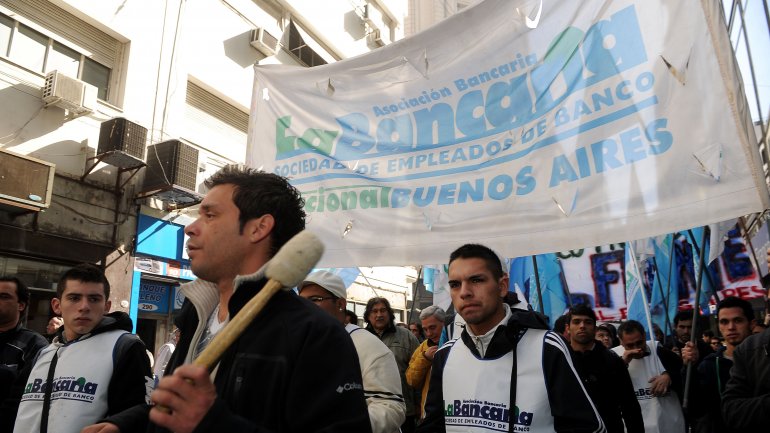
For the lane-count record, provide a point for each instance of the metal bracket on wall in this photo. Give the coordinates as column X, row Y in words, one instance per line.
column 101, row 157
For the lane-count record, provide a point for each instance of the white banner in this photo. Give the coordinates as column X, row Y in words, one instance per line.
column 527, row 126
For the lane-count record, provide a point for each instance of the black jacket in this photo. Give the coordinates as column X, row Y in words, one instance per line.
column 18, row 347
column 570, row 406
column 605, row 377
column 746, row 400
column 294, row 370
column 713, row 374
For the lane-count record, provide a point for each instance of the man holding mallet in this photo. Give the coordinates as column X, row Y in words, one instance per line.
column 294, row 369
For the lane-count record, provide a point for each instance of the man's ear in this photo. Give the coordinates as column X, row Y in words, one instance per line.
column 260, row 228
column 504, row 284
column 341, row 304
column 107, row 306
column 56, row 306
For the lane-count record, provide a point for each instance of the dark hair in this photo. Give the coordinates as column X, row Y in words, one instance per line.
column 22, row 291
column 709, row 333
column 418, row 325
column 733, row 302
column 629, row 327
column 377, row 300
column 353, row 317
column 560, row 325
column 682, row 315
column 476, row 251
column 257, row 193
column 610, row 329
column 85, row 273
column 581, row 310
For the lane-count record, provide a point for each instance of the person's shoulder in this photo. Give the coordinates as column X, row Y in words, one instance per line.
column 753, row 343
column 30, row 337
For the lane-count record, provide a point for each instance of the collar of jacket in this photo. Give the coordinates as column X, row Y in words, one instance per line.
column 390, row 328
column 110, row 322
column 204, row 295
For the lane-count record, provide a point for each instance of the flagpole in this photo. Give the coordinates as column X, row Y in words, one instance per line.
column 537, row 282
column 641, row 287
column 695, row 314
column 745, row 233
column 668, row 283
column 703, row 251
column 662, row 296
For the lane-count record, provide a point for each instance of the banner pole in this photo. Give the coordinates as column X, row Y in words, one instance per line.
column 703, row 251
column 630, row 244
column 695, row 314
column 745, row 234
column 537, row 282
column 668, row 283
column 662, row 295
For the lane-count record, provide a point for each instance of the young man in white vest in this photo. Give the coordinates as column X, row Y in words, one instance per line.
column 506, row 372
column 93, row 368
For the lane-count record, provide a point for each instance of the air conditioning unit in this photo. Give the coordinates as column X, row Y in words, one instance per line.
column 263, row 41
column 25, row 182
column 172, row 173
column 122, row 143
column 374, row 38
column 71, row 94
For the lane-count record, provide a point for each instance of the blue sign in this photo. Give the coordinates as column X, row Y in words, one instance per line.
column 160, row 238
column 153, row 297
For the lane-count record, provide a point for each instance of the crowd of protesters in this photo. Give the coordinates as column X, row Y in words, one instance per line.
column 488, row 363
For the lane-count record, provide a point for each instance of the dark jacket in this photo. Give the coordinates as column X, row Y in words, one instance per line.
column 713, row 374
column 294, row 370
column 402, row 343
column 18, row 346
column 570, row 406
column 128, row 385
column 746, row 400
column 605, row 377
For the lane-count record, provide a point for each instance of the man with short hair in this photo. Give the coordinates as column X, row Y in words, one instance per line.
column 382, row 384
column 93, row 368
column 746, row 400
column 18, row 345
column 506, row 368
column 560, row 326
column 293, row 369
column 418, row 372
column 416, row 329
column 380, row 319
column 735, row 318
column 603, row 373
column 656, row 376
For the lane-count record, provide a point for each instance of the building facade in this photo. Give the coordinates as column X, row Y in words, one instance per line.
column 100, row 159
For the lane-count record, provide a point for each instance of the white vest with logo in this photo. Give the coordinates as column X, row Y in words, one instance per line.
column 661, row 414
column 80, row 384
column 477, row 391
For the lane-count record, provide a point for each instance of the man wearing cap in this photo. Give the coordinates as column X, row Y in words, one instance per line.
column 382, row 384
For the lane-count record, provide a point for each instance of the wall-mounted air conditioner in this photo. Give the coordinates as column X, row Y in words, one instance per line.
column 172, row 173
column 263, row 41
column 25, row 182
column 122, row 143
column 71, row 94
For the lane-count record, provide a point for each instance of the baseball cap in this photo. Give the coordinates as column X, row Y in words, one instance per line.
column 332, row 283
